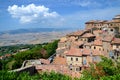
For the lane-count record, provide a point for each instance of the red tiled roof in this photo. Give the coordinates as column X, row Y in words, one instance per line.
column 86, row 51
column 1, row 57
column 98, row 38
column 8, row 55
column 78, row 42
column 116, row 41
column 59, row 60
column 80, row 52
column 77, row 33
column 45, row 61
column 74, row 52
column 87, row 35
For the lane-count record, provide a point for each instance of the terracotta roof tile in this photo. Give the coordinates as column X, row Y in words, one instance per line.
column 80, row 52
column 78, row 42
column 77, row 33
column 87, row 35
column 86, row 51
column 45, row 61
column 59, row 60
column 98, row 38
column 116, row 41
column 74, row 52
column 8, row 55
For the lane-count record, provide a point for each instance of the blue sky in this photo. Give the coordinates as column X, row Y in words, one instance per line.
column 17, row 14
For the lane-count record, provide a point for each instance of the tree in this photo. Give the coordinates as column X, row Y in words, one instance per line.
column 104, row 70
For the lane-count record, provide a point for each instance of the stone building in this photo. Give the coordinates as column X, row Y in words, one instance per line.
column 87, row 37
column 83, row 47
column 100, row 24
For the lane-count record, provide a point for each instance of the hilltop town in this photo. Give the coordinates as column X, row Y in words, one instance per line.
column 78, row 49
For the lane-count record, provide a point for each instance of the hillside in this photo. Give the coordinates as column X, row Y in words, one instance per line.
column 31, row 36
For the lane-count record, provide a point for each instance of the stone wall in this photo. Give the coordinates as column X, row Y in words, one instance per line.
column 30, row 69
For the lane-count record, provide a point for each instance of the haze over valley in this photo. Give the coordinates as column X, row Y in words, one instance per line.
column 31, row 36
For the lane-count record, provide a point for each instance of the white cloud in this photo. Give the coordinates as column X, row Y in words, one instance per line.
column 31, row 13
column 86, row 3
column 83, row 3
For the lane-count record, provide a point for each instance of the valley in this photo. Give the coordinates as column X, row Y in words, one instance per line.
column 30, row 37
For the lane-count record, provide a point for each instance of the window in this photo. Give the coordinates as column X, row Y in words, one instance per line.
column 99, row 49
column 90, row 47
column 76, row 59
column 112, row 57
column 85, row 46
column 71, row 59
column 117, row 46
column 81, row 46
column 111, row 30
column 78, row 69
column 70, row 66
column 84, row 62
column 94, row 47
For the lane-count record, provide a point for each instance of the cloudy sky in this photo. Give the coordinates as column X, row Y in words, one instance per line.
column 17, row 14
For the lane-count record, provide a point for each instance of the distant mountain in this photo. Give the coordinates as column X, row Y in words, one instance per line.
column 34, row 30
